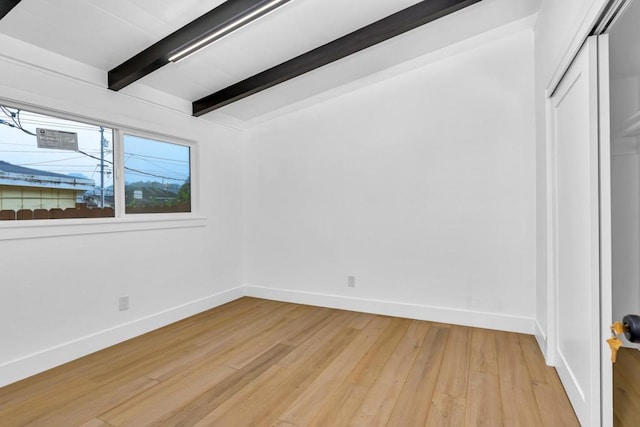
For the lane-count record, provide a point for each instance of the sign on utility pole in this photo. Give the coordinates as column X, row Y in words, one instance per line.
column 57, row 139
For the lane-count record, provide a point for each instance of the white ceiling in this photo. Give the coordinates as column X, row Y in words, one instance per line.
column 103, row 34
column 100, row 33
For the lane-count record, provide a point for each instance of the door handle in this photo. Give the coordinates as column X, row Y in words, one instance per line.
column 631, row 325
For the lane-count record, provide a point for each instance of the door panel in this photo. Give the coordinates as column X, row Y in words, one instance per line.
column 577, row 340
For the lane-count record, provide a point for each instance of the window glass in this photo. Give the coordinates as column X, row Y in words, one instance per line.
column 157, row 176
column 53, row 168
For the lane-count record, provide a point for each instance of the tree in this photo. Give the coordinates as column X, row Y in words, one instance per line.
column 184, row 194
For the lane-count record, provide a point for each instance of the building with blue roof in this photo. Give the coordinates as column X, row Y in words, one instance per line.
column 27, row 188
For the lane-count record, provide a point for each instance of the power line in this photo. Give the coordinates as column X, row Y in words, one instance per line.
column 15, row 122
column 62, row 125
column 157, row 158
column 134, row 170
column 159, row 166
column 142, row 172
column 15, row 119
column 52, row 161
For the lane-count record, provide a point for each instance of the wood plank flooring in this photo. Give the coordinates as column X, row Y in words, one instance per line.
column 254, row 362
column 626, row 388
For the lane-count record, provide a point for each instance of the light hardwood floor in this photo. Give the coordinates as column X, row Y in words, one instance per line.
column 262, row 363
column 626, row 388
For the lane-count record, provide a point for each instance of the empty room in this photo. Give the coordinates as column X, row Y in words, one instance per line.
column 319, row 212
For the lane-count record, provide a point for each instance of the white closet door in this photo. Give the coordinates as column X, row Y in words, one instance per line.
column 577, row 340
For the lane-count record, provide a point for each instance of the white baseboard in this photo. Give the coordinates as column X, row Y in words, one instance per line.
column 476, row 319
column 541, row 337
column 32, row 364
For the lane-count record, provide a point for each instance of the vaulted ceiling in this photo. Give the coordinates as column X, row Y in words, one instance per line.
column 105, row 34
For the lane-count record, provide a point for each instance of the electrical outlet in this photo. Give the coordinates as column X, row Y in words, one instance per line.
column 123, row 303
column 351, row 281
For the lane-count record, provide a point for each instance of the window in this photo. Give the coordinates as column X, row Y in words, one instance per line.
column 157, row 176
column 53, row 168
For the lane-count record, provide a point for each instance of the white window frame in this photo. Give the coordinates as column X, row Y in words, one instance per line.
column 121, row 222
column 118, row 148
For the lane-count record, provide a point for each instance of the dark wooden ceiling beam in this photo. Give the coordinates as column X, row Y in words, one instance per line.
column 407, row 19
column 157, row 55
column 6, row 6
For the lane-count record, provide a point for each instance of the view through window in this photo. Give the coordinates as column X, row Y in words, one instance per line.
column 157, row 176
column 54, row 168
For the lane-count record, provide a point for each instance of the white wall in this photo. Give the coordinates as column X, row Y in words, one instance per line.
column 625, row 222
column 560, row 30
column 59, row 294
column 421, row 185
column 625, row 191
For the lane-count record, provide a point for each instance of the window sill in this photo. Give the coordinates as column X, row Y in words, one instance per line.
column 34, row 229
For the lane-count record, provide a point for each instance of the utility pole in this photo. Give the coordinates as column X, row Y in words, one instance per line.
column 102, row 143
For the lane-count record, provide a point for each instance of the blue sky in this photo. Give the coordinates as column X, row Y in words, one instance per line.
column 144, row 159
column 151, row 160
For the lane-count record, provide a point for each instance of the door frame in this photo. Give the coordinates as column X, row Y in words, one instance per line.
column 606, row 263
